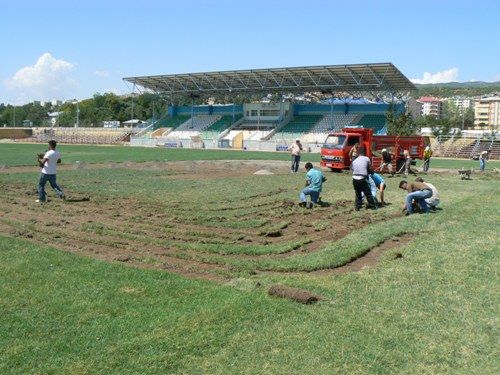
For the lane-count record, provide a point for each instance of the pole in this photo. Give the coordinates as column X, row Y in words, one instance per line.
column 192, row 111
column 77, row 115
column 463, row 117
column 14, row 116
column 331, row 111
column 132, row 109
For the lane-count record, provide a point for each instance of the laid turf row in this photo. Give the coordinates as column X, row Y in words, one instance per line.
column 336, row 254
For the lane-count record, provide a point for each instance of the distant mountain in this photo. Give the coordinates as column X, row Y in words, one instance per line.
column 469, row 89
column 459, row 84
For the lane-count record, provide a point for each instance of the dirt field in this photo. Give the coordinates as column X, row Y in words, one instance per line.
column 202, row 241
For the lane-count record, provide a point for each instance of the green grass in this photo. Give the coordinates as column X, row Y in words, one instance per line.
column 433, row 311
column 459, row 163
column 25, row 154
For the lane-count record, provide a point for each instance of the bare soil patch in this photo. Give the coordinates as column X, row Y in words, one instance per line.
column 166, row 235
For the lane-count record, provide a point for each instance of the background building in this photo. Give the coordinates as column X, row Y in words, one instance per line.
column 487, row 113
column 462, row 103
column 431, row 106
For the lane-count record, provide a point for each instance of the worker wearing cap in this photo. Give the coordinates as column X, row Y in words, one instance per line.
column 295, row 148
column 386, row 161
column 427, row 159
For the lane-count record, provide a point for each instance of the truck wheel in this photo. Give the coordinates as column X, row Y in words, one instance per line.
column 336, row 170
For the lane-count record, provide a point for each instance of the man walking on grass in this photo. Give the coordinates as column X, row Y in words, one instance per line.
column 48, row 163
column 427, row 159
column 295, row 148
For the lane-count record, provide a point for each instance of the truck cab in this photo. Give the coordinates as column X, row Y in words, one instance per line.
column 335, row 150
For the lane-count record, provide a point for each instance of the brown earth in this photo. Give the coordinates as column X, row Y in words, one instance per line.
column 142, row 234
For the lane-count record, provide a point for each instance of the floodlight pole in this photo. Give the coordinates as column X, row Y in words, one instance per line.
column 77, row 114
column 132, row 109
column 331, row 110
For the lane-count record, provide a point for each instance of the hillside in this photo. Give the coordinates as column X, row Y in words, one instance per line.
column 476, row 88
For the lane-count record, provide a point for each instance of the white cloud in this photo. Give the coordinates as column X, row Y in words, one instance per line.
column 450, row 75
column 47, row 78
column 101, row 73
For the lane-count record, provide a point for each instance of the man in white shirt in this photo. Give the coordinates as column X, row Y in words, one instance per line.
column 295, row 148
column 48, row 163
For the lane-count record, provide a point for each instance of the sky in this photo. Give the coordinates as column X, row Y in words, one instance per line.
column 74, row 49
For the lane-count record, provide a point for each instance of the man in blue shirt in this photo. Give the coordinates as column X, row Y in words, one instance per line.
column 314, row 184
column 380, row 184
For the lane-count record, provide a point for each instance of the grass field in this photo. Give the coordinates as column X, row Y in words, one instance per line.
column 163, row 267
column 12, row 154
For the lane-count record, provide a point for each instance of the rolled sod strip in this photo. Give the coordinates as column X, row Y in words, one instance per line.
column 295, row 294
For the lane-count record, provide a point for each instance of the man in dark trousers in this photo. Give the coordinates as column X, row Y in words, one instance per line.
column 48, row 162
column 296, row 149
column 361, row 168
column 386, row 162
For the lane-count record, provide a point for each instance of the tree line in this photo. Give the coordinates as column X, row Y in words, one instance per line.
column 105, row 107
column 92, row 112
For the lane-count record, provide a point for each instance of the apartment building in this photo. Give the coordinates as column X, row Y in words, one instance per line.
column 462, row 103
column 431, row 106
column 487, row 113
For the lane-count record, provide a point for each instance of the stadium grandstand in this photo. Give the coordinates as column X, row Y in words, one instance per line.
column 268, row 125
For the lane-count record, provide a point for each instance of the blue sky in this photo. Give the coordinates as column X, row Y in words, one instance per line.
column 72, row 49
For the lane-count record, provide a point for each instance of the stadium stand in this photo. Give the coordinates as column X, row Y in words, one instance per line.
column 495, row 150
column 376, row 122
column 80, row 135
column 171, row 122
column 193, row 126
column 465, row 147
column 334, row 122
column 218, row 127
column 300, row 125
column 160, row 132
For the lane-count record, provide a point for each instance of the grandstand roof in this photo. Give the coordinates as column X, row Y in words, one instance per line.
column 381, row 77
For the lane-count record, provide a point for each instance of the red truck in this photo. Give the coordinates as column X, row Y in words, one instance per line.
column 335, row 150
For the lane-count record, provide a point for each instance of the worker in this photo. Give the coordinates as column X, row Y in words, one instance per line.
column 407, row 165
column 295, row 148
column 483, row 157
column 427, row 159
column 386, row 162
column 314, row 185
column 361, row 168
column 354, row 151
column 433, row 201
column 379, row 183
column 418, row 192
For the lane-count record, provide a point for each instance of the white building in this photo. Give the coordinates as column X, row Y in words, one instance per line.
column 431, row 106
column 462, row 103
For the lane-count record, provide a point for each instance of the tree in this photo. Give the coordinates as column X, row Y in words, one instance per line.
column 399, row 123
